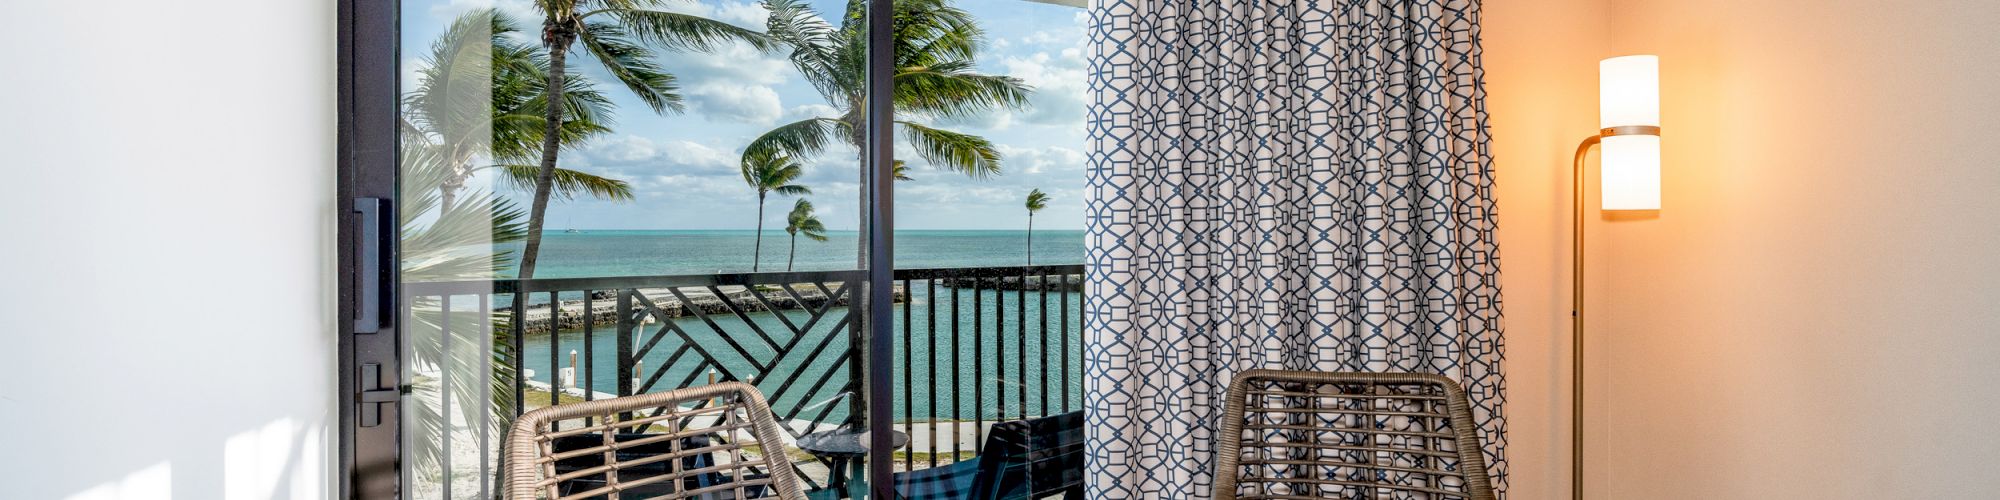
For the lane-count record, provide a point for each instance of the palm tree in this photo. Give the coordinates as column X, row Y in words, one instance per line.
column 1037, row 200
column 621, row 35
column 433, row 249
column 768, row 172
column 802, row 221
column 901, row 171
column 478, row 66
column 934, row 79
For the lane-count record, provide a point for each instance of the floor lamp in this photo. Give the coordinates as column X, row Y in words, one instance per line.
column 1628, row 94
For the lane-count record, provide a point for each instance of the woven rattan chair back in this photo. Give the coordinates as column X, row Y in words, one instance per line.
column 1304, row 435
column 688, row 443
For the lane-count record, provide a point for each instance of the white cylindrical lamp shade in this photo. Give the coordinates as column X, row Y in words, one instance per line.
column 1629, row 96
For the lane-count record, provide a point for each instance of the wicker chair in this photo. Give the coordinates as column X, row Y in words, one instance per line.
column 1306, row 435
column 651, row 446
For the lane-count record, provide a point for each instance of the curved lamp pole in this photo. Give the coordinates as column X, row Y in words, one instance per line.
column 1628, row 95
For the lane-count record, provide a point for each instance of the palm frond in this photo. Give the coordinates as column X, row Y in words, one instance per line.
column 953, row 90
column 453, row 96
column 633, row 65
column 932, row 31
column 814, row 44
column 1037, row 200
column 934, row 43
column 770, row 171
column 684, row 32
column 964, row 153
column 570, row 183
column 801, row 221
column 803, row 138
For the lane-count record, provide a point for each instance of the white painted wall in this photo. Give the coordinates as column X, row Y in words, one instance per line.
column 166, row 249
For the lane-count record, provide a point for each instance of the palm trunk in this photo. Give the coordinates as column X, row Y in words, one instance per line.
column 858, row 137
column 794, row 253
column 1031, row 238
column 757, row 250
column 551, row 142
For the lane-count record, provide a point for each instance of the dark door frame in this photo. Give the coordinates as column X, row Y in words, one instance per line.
column 370, row 369
column 880, row 189
column 370, row 343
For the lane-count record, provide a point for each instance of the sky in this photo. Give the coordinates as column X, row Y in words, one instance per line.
column 683, row 168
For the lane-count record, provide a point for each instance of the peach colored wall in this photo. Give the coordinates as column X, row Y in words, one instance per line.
column 1540, row 60
column 1816, row 311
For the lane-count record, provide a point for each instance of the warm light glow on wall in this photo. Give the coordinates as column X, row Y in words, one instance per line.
column 1629, row 110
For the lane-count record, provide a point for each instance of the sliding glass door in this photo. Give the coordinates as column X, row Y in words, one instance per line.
column 555, row 203
column 989, row 256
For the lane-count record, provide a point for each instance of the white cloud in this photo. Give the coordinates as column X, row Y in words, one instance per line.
column 520, row 11
column 1059, row 83
column 755, row 104
column 743, row 14
column 733, row 83
column 991, row 120
column 734, row 64
column 1040, row 160
column 631, row 153
column 811, row 111
column 627, row 149
column 682, row 186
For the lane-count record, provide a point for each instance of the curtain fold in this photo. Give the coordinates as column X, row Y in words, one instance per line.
column 1283, row 184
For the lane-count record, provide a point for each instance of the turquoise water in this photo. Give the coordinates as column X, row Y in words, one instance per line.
column 594, row 253
column 984, row 363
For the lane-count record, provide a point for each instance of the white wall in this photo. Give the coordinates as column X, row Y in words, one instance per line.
column 166, row 246
column 1816, row 311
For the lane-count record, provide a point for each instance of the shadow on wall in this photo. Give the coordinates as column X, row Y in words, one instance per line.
column 282, row 459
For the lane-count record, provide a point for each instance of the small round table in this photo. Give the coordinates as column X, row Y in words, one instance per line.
column 842, row 447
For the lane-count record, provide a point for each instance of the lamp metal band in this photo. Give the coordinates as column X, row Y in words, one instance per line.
column 1652, row 130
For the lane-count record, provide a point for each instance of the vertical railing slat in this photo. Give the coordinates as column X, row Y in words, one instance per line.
column 1000, row 347
column 485, row 398
column 627, row 322
column 445, row 363
column 930, row 325
column 555, row 349
column 1021, row 340
column 589, row 375
column 957, row 386
column 978, row 367
column 909, row 384
column 519, row 325
column 1065, row 342
column 1042, row 307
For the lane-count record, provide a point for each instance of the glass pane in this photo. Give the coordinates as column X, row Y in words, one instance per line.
column 700, row 226
column 989, row 249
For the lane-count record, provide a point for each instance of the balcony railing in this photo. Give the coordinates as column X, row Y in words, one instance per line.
column 975, row 346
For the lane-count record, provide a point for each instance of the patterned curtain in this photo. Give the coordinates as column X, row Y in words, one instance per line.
column 1291, row 184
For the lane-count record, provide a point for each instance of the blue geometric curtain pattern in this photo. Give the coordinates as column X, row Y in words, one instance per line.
column 1291, row 184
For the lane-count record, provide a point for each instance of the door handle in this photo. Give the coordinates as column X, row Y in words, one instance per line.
column 373, row 396
column 371, row 311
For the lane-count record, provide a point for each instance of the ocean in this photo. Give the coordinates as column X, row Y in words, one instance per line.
column 597, row 253
column 956, row 371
